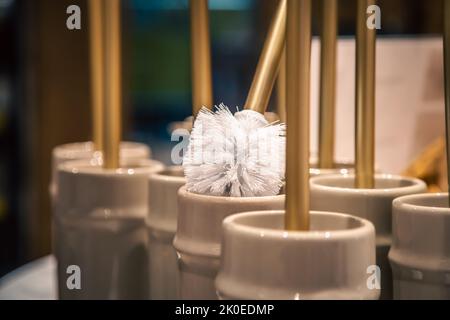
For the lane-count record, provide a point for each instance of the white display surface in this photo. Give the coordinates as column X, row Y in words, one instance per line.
column 33, row 281
column 409, row 99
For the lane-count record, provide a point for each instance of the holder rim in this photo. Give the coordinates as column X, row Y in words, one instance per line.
column 401, row 203
column 225, row 199
column 318, row 184
column 93, row 167
column 164, row 175
column 232, row 222
column 73, row 150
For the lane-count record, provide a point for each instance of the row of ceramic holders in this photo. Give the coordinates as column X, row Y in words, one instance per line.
column 99, row 215
column 118, row 226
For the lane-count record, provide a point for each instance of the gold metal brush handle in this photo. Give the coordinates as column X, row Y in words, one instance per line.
column 113, row 90
column 327, row 83
column 96, row 68
column 298, row 55
column 281, row 88
column 269, row 61
column 365, row 99
column 202, row 94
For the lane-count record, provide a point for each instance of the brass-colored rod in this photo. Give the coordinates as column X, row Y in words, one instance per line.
column 327, row 83
column 112, row 89
column 96, row 69
column 281, row 88
column 269, row 61
column 447, row 82
column 202, row 93
column 298, row 55
column 365, row 99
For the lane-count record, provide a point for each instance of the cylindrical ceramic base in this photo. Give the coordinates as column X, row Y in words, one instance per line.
column 337, row 193
column 85, row 151
column 261, row 260
column 420, row 252
column 161, row 226
column 100, row 234
column 198, row 236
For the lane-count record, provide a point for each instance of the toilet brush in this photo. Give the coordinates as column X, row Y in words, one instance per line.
column 298, row 54
column 202, row 94
column 112, row 79
column 365, row 99
column 241, row 155
column 327, row 83
column 447, row 81
column 96, row 67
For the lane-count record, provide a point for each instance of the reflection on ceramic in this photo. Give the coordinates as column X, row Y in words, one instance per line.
column 336, row 193
column 85, row 151
column 339, row 167
column 185, row 125
column 261, row 260
column 420, row 252
column 198, row 236
column 99, row 227
column 161, row 225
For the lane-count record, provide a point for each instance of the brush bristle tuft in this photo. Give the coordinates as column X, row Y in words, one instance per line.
column 240, row 155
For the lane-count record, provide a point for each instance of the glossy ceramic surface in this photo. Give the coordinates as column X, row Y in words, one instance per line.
column 337, row 193
column 198, row 236
column 261, row 260
column 99, row 226
column 161, row 225
column 420, row 252
column 85, row 151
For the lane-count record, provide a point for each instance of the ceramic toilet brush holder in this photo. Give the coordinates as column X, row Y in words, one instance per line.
column 198, row 236
column 99, row 230
column 261, row 260
column 85, row 151
column 336, row 193
column 161, row 226
column 420, row 252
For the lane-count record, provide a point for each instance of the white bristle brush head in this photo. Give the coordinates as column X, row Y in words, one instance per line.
column 240, row 155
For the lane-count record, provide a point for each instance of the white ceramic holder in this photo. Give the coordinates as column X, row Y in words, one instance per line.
column 85, row 150
column 99, row 230
column 420, row 252
column 198, row 236
column 336, row 193
column 161, row 225
column 261, row 260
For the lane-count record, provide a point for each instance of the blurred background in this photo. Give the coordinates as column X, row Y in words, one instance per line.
column 44, row 86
